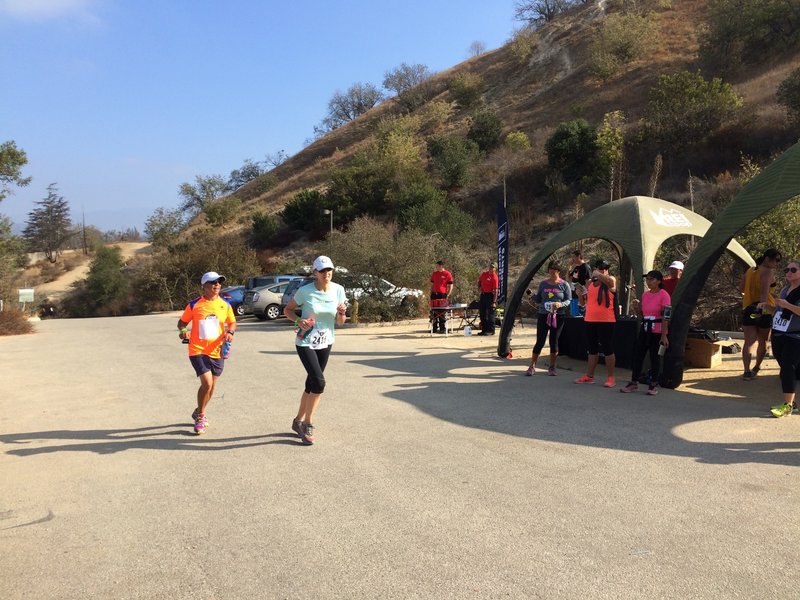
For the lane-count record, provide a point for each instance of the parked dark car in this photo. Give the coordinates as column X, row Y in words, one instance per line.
column 234, row 295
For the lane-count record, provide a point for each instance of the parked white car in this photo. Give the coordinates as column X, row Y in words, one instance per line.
column 357, row 285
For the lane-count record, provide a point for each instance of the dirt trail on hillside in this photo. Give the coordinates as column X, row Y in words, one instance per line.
column 58, row 288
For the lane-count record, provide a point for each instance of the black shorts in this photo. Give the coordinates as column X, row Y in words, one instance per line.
column 600, row 336
column 752, row 317
column 203, row 364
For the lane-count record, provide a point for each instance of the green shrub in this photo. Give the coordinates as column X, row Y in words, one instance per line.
column 263, row 229
column 439, row 216
column 436, row 113
column 572, row 151
column 466, row 89
column 684, row 109
column 621, row 39
column 452, row 157
column 305, row 211
column 740, row 33
column 221, row 212
column 789, row 94
column 522, row 44
column 518, row 141
column 485, row 130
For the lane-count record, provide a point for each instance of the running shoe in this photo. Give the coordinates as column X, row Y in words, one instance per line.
column 308, row 434
column 585, row 379
column 748, row 375
column 652, row 391
column 756, row 370
column 551, row 370
column 631, row 387
column 200, row 425
column 194, row 417
column 610, row 383
column 782, row 410
column 297, row 427
column 531, row 370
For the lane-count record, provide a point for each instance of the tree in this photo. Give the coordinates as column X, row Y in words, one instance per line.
column 205, row 190
column 249, row 170
column 12, row 159
column 611, row 150
column 275, row 159
column 403, row 78
column 572, row 151
column 452, row 157
column 48, row 227
column 343, row 108
column 476, row 48
column 106, row 281
column 485, row 130
column 466, row 88
column 304, row 211
column 12, row 256
column 684, row 109
column 163, row 226
column 536, row 12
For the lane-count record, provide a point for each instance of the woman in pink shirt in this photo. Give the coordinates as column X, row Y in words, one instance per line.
column 653, row 333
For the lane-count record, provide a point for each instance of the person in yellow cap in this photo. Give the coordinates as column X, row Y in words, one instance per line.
column 212, row 324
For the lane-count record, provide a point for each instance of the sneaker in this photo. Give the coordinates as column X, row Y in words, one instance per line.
column 755, row 371
column 748, row 375
column 610, row 383
column 585, row 379
column 297, row 427
column 551, row 370
column 194, row 417
column 782, row 410
column 631, row 387
column 200, row 425
column 652, row 390
column 531, row 370
column 308, row 434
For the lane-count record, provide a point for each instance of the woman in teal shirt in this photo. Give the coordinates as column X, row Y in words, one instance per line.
column 322, row 305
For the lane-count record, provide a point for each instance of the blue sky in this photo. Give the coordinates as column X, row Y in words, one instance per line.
column 120, row 101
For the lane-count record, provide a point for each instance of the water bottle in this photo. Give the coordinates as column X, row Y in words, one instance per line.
column 225, row 350
column 301, row 335
column 662, row 349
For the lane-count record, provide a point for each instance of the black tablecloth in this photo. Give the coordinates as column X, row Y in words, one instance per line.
column 572, row 342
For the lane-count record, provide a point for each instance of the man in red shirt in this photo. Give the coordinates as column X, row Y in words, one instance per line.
column 441, row 286
column 488, row 283
column 675, row 272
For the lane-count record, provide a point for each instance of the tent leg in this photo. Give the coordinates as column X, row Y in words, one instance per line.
column 672, row 371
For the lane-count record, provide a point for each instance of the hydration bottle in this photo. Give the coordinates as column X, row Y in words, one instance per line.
column 225, row 349
column 301, row 335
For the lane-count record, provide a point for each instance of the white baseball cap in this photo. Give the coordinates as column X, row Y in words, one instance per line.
column 322, row 262
column 211, row 276
column 676, row 264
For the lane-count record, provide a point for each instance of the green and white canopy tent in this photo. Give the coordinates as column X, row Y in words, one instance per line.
column 776, row 184
column 636, row 226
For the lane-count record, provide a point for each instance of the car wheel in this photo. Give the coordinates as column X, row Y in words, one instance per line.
column 239, row 310
column 272, row 312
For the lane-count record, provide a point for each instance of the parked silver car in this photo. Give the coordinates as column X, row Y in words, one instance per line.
column 265, row 302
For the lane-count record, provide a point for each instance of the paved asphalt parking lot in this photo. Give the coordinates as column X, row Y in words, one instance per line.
column 440, row 471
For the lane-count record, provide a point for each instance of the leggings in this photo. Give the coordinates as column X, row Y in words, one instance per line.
column 541, row 333
column 647, row 342
column 314, row 362
column 787, row 350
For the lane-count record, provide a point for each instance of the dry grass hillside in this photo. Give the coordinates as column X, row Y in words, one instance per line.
column 552, row 86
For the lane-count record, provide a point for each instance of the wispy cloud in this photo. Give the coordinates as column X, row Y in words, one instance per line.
column 41, row 10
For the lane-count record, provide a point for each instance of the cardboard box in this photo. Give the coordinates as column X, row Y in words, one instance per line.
column 702, row 354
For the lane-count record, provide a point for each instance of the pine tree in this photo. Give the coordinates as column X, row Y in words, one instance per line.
column 48, row 227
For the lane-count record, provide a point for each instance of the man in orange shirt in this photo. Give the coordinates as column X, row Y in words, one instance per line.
column 209, row 316
column 489, row 284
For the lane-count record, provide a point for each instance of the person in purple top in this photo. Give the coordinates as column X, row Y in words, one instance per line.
column 553, row 298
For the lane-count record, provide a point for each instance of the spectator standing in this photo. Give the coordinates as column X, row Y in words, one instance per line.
column 652, row 334
column 441, row 286
column 488, row 284
column 553, row 297
column 786, row 338
column 209, row 316
column 579, row 275
column 600, row 321
column 675, row 271
column 758, row 303
column 323, row 306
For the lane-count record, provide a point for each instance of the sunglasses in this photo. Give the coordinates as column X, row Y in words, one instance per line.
column 791, row 270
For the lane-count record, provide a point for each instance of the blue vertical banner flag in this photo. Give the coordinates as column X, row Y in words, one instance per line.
column 502, row 252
